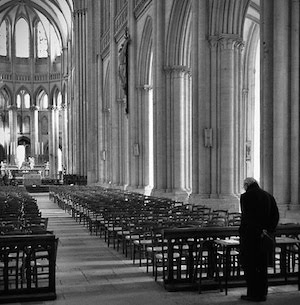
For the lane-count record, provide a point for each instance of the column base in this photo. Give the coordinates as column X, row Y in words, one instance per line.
column 229, row 202
column 145, row 190
column 289, row 213
column 178, row 194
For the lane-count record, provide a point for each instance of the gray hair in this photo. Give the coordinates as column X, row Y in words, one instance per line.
column 249, row 181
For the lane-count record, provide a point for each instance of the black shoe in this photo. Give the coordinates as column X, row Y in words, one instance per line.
column 253, row 299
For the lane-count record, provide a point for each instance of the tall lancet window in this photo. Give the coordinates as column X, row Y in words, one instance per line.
column 3, row 39
column 42, row 42
column 22, row 38
column 55, row 43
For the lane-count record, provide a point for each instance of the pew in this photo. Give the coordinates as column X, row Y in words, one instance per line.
column 27, row 267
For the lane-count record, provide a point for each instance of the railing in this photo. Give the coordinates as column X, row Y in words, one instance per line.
column 27, row 267
column 175, row 237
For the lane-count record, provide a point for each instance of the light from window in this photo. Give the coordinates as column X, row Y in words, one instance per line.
column 3, row 39
column 26, row 101
column 43, row 100
column 59, row 100
column 42, row 43
column 18, row 101
column 2, row 101
column 55, row 44
column 22, row 38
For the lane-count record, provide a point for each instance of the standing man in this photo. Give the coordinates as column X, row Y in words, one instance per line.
column 259, row 212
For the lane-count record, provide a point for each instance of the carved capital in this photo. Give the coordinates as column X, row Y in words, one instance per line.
column 145, row 87
column 64, row 106
column 177, row 70
column 34, row 107
column 121, row 100
column 245, row 91
column 50, row 108
column 106, row 110
column 12, row 107
column 226, row 42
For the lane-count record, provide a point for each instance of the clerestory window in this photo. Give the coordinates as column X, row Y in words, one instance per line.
column 42, row 42
column 22, row 38
column 3, row 39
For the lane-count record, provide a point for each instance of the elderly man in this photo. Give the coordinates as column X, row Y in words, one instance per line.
column 259, row 212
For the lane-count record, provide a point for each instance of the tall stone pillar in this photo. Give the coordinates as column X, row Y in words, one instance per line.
column 295, row 96
column 65, row 146
column 228, row 84
column 178, row 131
column 266, row 99
column 203, row 134
column 80, row 104
column 13, row 142
column 281, row 100
column 145, row 126
column 114, row 141
column 34, row 132
column 53, row 142
column 160, row 128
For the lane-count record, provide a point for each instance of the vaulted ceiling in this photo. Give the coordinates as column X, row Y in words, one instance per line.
column 57, row 12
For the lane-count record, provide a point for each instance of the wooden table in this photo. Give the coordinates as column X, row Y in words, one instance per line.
column 281, row 241
column 211, row 233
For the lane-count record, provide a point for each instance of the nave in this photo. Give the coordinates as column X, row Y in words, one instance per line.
column 89, row 272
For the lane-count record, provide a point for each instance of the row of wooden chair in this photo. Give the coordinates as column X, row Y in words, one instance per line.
column 133, row 223
column 19, row 213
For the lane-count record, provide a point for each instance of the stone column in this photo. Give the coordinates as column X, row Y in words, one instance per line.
column 212, row 136
column 13, row 142
column 53, row 141
column 281, row 100
column 178, row 133
column 65, row 146
column 201, row 110
column 266, row 98
column 75, row 100
column 160, row 128
column 295, row 96
column 34, row 132
column 144, row 152
column 114, row 141
column 227, row 122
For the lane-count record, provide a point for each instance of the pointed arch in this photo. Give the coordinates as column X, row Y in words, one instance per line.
column 22, row 91
column 4, row 38
column 38, row 92
column 179, row 35
column 227, row 17
column 39, row 98
column 7, row 95
column 145, row 53
column 53, row 95
column 22, row 37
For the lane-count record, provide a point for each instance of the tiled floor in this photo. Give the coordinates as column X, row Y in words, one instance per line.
column 88, row 272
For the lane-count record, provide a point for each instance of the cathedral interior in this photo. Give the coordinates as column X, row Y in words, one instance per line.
column 180, row 99
column 177, row 99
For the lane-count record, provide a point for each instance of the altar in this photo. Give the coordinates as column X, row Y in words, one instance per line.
column 27, row 174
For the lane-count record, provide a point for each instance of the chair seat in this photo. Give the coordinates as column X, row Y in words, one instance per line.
column 129, row 237
column 162, row 256
column 113, row 229
column 143, row 242
column 120, row 232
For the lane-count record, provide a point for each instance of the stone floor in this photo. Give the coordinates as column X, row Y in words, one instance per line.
column 88, row 272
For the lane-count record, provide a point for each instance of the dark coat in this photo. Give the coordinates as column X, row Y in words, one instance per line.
column 259, row 211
